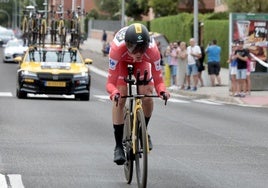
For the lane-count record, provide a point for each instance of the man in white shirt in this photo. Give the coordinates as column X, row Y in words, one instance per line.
column 194, row 53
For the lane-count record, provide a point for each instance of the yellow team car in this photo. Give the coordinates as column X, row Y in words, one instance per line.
column 52, row 69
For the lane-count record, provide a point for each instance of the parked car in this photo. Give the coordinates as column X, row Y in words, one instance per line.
column 52, row 69
column 13, row 49
column 162, row 39
column 6, row 35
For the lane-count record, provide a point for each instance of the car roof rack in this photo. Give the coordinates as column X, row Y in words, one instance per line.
column 40, row 31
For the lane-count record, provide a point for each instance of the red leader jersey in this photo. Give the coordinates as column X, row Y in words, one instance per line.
column 119, row 59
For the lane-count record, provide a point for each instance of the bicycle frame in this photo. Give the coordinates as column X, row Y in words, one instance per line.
column 135, row 103
column 135, row 131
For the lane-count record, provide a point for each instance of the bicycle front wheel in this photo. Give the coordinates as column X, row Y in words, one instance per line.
column 127, row 143
column 141, row 156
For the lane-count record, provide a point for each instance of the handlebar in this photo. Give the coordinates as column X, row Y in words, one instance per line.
column 138, row 81
column 142, row 96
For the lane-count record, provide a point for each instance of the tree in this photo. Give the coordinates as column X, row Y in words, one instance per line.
column 164, row 7
column 134, row 9
column 253, row 6
column 109, row 7
column 93, row 14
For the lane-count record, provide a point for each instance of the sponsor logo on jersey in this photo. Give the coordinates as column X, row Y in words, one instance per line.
column 120, row 36
column 157, row 65
column 112, row 64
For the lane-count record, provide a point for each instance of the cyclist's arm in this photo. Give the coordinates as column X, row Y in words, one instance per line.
column 157, row 71
column 113, row 74
column 115, row 55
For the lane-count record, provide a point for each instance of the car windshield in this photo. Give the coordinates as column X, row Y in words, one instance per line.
column 53, row 56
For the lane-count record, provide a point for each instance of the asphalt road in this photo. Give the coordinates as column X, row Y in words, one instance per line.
column 58, row 142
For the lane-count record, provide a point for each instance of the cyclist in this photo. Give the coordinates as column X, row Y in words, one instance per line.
column 132, row 45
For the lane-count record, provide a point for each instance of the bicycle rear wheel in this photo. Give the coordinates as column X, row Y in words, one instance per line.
column 141, row 156
column 127, row 143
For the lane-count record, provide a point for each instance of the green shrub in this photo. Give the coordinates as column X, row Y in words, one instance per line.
column 180, row 28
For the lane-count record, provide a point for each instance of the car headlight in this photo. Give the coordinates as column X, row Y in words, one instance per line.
column 28, row 73
column 81, row 75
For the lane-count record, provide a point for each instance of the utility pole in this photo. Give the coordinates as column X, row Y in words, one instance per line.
column 123, row 14
column 15, row 14
column 73, row 5
column 82, row 15
column 196, row 37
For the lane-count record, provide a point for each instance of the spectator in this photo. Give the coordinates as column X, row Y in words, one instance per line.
column 241, row 56
column 106, row 49
column 104, row 40
column 182, row 65
column 214, row 56
column 194, row 53
column 167, row 55
column 174, row 65
column 168, row 52
column 248, row 81
column 201, row 66
column 162, row 63
column 233, row 69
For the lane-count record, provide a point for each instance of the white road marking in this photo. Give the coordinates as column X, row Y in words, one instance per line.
column 3, row 182
column 98, row 71
column 14, row 181
column 178, row 95
column 6, row 94
column 207, row 102
column 103, row 97
column 177, row 100
column 173, row 100
column 106, row 97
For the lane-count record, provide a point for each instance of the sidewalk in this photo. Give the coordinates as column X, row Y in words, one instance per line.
column 219, row 93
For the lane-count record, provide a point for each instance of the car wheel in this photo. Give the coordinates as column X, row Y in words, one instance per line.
column 21, row 94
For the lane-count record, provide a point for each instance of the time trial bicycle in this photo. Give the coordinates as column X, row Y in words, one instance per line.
column 135, row 136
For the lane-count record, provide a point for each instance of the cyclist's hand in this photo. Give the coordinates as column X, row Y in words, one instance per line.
column 164, row 95
column 115, row 97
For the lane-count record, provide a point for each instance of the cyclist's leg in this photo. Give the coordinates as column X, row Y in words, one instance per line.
column 147, row 105
column 118, row 124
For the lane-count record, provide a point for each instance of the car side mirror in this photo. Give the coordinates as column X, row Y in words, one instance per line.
column 88, row 61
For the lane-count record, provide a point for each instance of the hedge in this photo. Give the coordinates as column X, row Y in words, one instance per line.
column 180, row 28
